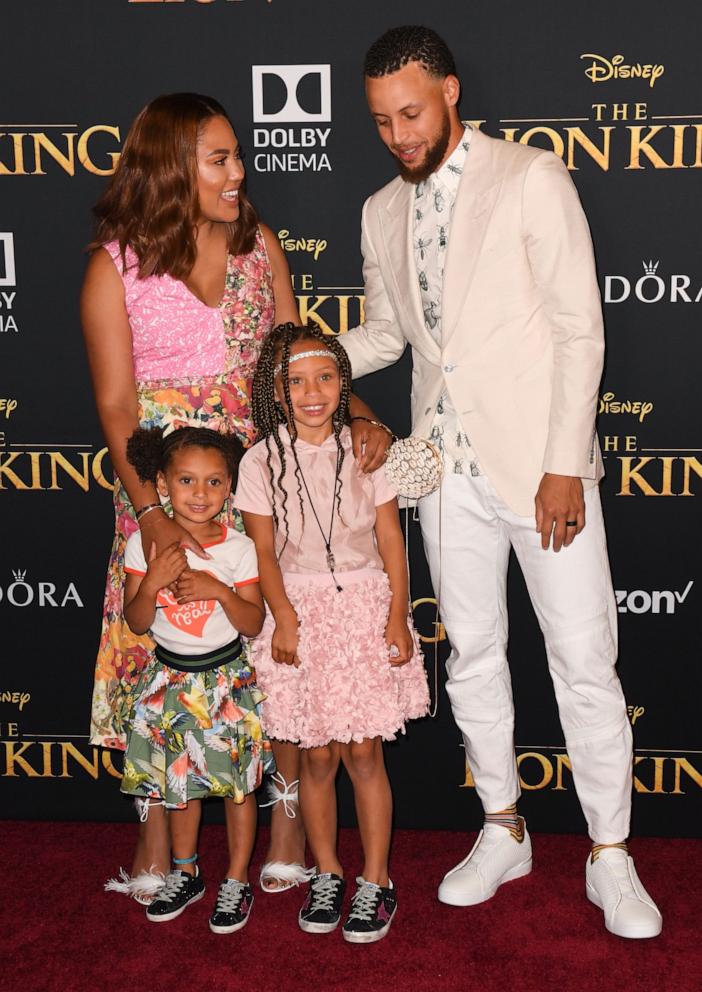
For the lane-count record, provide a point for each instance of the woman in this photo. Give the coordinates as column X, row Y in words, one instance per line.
column 182, row 287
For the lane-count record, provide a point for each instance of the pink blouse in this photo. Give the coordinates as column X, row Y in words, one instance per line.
column 177, row 336
column 353, row 538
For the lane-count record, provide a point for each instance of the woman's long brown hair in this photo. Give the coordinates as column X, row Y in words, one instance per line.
column 151, row 203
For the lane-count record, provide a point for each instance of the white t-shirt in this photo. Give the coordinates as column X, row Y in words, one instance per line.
column 202, row 626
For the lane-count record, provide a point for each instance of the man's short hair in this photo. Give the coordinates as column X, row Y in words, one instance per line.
column 409, row 43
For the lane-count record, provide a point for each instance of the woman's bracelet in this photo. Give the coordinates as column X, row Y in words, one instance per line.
column 147, row 509
column 376, row 423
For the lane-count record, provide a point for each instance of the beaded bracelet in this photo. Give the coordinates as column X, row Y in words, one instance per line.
column 376, row 423
column 147, row 509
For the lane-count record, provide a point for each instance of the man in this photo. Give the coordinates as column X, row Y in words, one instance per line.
column 480, row 257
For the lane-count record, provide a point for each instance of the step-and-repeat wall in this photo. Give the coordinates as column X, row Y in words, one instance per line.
column 614, row 89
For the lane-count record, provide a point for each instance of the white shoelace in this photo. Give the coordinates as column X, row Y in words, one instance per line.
column 324, row 892
column 364, row 902
column 174, row 883
column 231, row 892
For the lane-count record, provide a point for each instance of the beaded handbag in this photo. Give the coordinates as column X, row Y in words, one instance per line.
column 413, row 467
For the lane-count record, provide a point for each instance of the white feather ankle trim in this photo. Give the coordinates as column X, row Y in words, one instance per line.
column 279, row 791
column 143, row 885
column 282, row 871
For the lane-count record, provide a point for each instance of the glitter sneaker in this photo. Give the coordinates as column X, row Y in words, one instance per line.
column 372, row 910
column 179, row 890
column 234, row 902
column 321, row 910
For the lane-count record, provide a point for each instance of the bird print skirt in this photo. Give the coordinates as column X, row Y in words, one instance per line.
column 196, row 734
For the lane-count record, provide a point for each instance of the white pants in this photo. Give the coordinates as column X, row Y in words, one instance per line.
column 572, row 595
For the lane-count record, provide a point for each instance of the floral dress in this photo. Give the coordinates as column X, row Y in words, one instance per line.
column 193, row 364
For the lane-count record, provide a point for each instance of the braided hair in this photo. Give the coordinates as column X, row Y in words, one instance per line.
column 268, row 413
column 149, row 452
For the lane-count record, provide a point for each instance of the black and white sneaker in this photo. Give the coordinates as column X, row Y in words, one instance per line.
column 321, row 910
column 179, row 890
column 372, row 909
column 234, row 902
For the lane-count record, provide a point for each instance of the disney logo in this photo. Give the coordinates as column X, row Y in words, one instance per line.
column 19, row 699
column 641, row 408
column 603, row 69
column 314, row 246
column 635, row 712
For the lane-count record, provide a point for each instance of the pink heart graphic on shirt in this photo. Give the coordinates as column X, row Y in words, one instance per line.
column 188, row 617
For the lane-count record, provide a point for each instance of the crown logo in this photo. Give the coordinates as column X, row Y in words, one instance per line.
column 19, row 575
column 650, row 267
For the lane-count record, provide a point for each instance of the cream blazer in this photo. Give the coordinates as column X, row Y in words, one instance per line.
column 523, row 340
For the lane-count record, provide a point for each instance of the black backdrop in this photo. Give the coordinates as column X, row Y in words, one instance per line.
column 73, row 76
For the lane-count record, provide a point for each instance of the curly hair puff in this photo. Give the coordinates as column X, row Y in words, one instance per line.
column 149, row 452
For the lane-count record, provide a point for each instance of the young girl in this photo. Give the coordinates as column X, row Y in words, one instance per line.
column 195, row 728
column 337, row 658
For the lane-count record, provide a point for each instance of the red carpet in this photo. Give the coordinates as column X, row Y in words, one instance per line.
column 59, row 931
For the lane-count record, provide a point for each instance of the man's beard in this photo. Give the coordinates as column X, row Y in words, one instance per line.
column 432, row 161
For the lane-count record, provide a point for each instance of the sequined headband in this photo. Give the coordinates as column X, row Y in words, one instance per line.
column 316, row 353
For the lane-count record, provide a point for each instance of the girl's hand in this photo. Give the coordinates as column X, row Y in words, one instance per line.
column 164, row 569
column 399, row 640
column 158, row 528
column 285, row 640
column 193, row 584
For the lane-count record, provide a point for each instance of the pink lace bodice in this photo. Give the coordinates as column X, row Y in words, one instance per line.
column 177, row 336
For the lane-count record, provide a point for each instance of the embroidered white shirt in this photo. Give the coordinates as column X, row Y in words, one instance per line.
column 434, row 200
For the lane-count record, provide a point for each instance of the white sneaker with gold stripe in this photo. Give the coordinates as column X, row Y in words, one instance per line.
column 496, row 857
column 612, row 884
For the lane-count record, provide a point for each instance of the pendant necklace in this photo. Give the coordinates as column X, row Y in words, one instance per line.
column 331, row 561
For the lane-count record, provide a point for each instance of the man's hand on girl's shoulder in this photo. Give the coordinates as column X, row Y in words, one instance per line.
column 371, row 442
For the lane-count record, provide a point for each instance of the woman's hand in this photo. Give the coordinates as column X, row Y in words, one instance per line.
column 158, row 528
column 285, row 639
column 399, row 640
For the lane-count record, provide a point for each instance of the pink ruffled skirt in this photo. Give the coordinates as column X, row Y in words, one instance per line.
column 345, row 689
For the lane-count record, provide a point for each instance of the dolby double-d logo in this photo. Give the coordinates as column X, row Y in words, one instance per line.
column 291, row 94
column 7, row 259
column 291, row 105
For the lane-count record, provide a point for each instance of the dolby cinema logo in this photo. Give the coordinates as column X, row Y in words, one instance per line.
column 8, row 282
column 7, row 259
column 291, row 114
